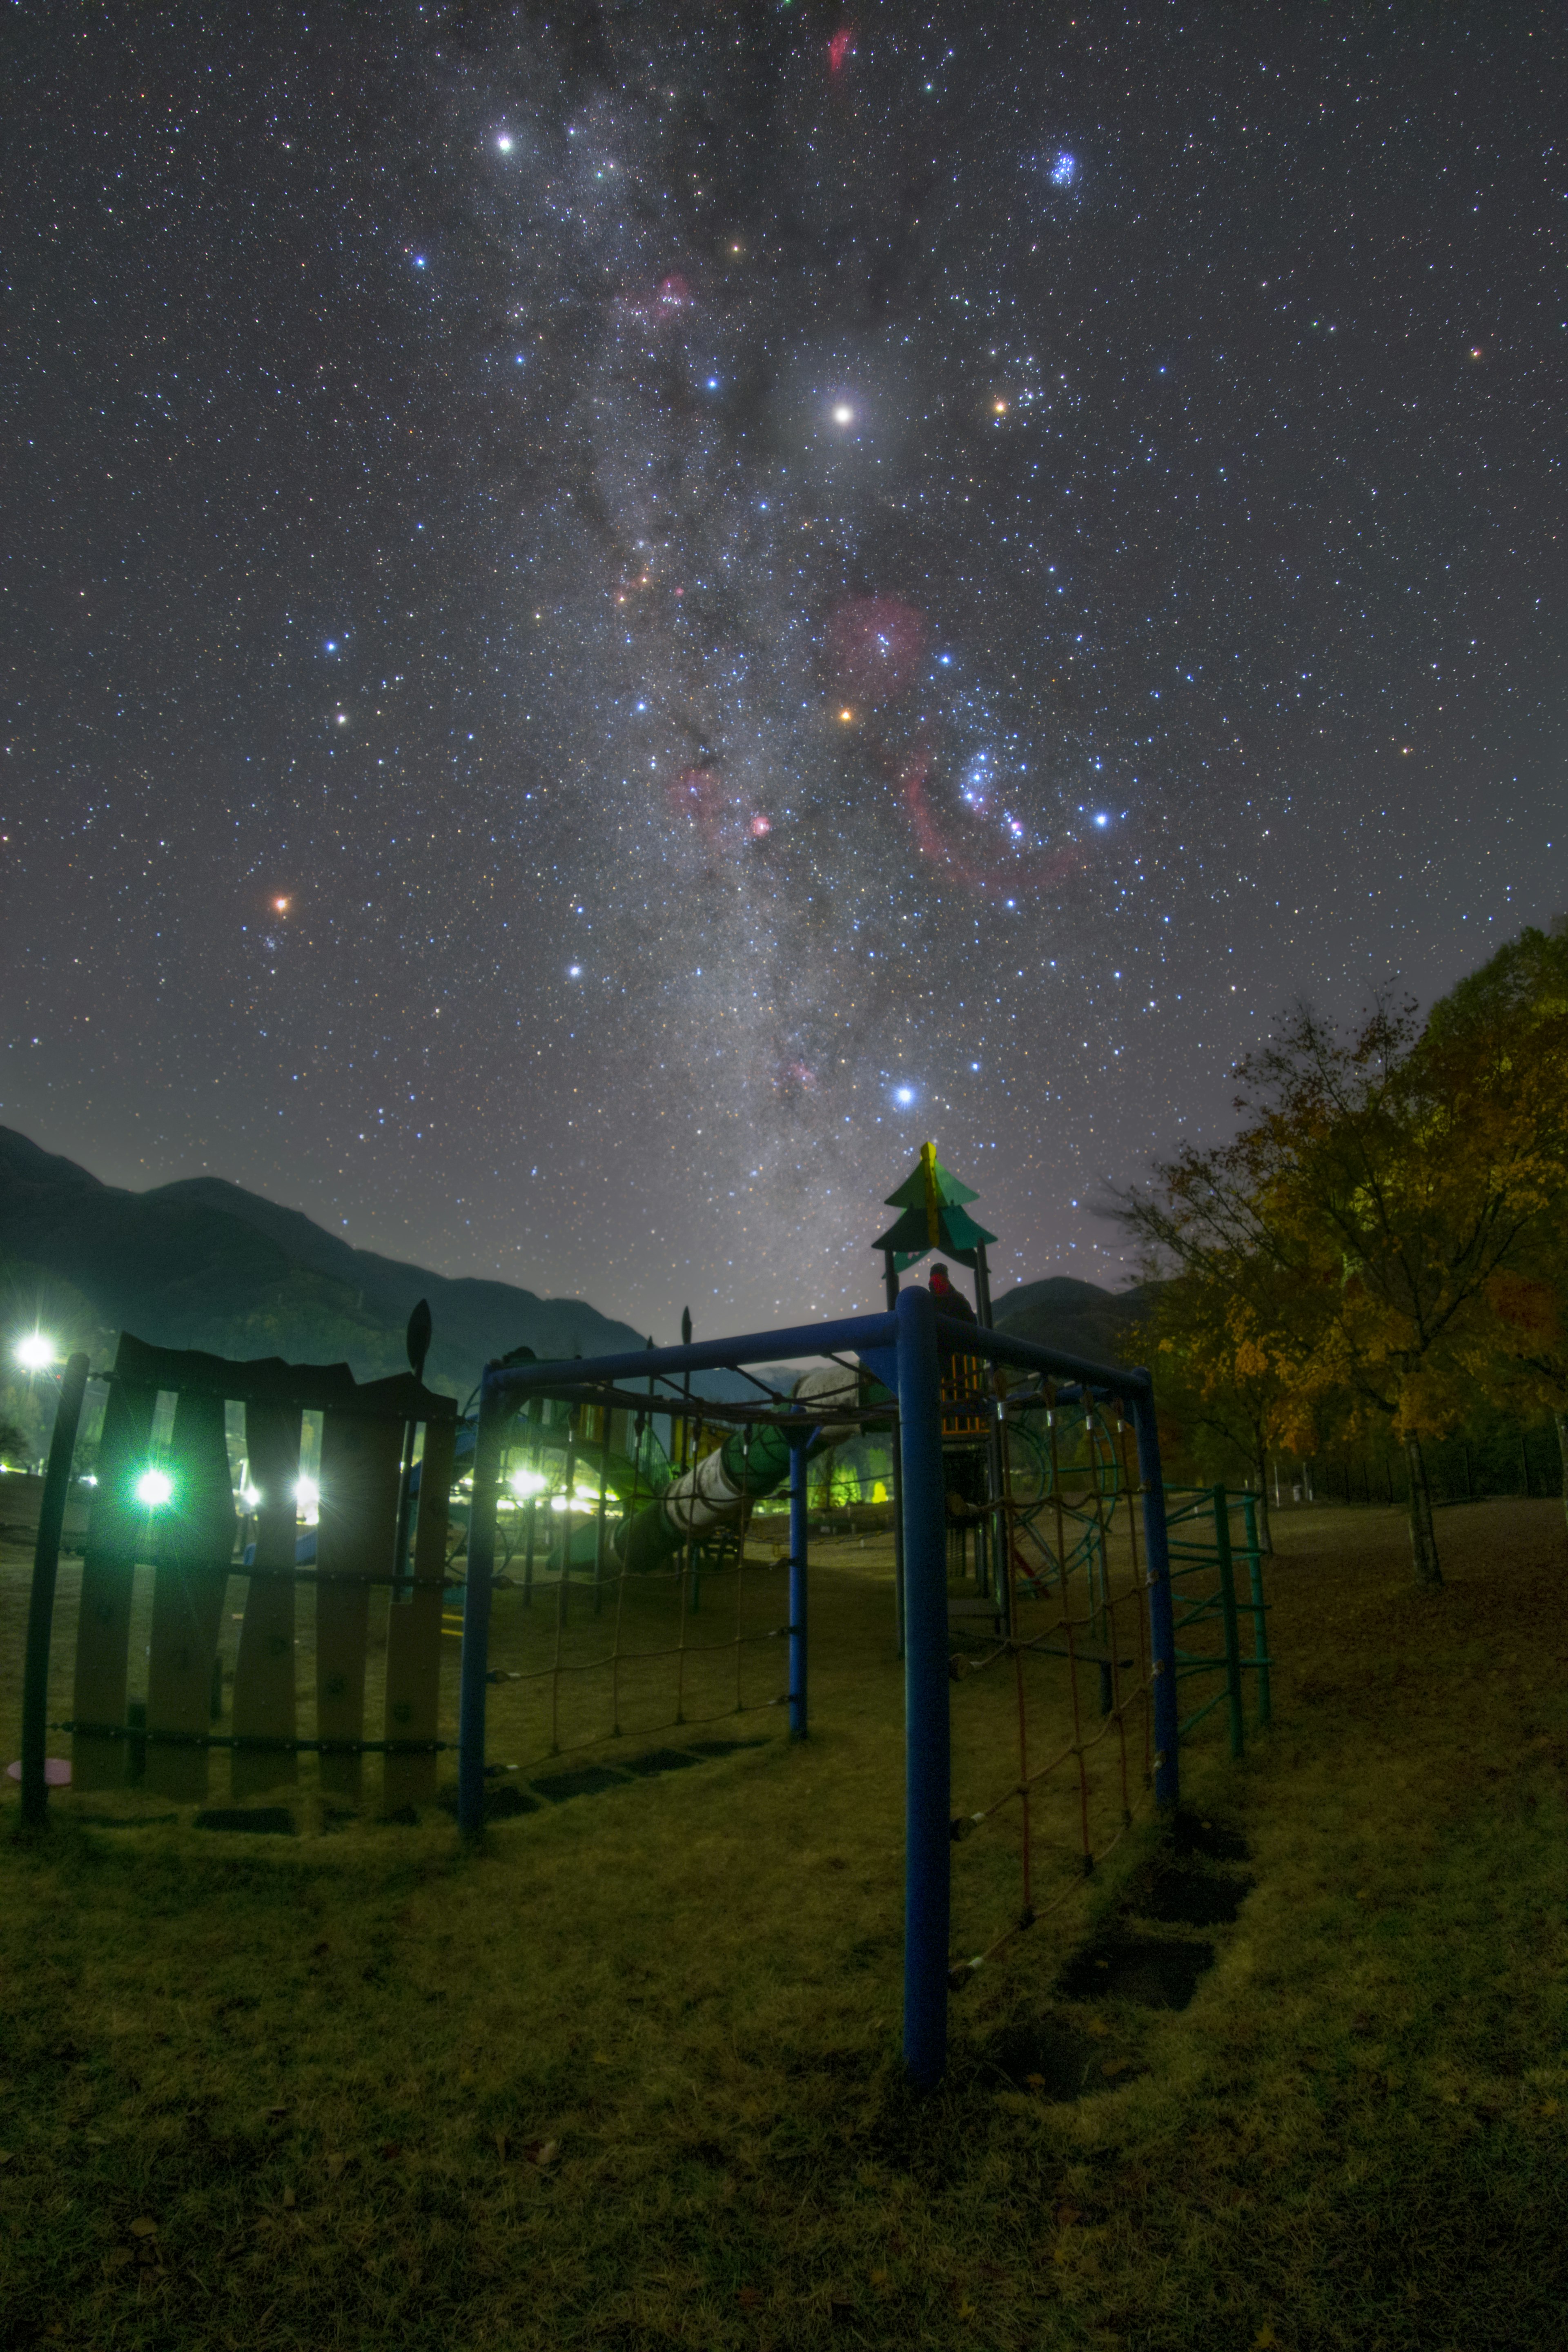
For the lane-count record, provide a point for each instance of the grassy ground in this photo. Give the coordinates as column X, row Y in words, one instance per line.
column 628, row 2076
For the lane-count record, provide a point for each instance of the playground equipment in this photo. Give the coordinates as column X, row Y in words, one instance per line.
column 900, row 1374
column 1081, row 1565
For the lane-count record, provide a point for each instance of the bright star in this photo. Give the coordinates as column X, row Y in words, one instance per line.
column 1103, row 820
column 904, row 1094
column 504, row 143
column 843, row 414
column 1064, row 171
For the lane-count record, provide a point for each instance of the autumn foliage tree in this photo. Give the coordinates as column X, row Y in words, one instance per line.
column 1224, row 1392
column 1356, row 1241
column 1516, row 1005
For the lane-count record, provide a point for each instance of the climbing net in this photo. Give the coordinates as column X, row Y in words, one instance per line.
column 1050, row 1640
column 644, row 1581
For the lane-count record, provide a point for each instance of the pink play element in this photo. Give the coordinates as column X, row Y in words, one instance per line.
column 57, row 1772
column 875, row 647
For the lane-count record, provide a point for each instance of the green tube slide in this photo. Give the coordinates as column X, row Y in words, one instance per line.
column 714, row 1492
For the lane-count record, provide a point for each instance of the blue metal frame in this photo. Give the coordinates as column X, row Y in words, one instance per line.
column 799, row 1540
column 903, row 1349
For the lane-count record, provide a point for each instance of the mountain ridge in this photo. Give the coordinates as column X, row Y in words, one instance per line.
column 203, row 1262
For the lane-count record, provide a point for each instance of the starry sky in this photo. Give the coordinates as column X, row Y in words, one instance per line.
column 613, row 615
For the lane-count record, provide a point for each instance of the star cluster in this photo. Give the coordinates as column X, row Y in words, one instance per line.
column 619, row 614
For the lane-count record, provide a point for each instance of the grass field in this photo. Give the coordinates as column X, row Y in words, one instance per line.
column 627, row 2076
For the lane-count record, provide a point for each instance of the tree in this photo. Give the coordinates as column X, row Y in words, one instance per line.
column 1217, row 1379
column 1518, row 1002
column 1352, row 1238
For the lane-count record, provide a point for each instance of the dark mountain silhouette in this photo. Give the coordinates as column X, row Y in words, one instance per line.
column 1062, row 1312
column 205, row 1263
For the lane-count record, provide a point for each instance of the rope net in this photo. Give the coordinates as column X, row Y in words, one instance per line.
column 643, row 1582
column 1048, row 1638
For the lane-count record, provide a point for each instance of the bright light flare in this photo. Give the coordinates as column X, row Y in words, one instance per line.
column 251, row 1498
column 154, row 1488
column 36, row 1353
column 527, row 1482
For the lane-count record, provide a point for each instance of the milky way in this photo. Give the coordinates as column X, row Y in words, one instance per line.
column 620, row 613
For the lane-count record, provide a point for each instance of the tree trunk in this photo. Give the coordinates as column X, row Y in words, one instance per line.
column 1562, row 1420
column 1265, row 1532
column 1423, row 1541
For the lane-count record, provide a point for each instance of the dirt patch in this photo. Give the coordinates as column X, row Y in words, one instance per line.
column 1156, row 1972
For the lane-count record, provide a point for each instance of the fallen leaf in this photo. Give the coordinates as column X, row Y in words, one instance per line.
column 335, row 2166
column 5, row 2155
column 966, row 2311
column 501, row 2146
column 145, row 2226
column 879, row 2278
column 749, row 2297
column 1097, row 2029
column 288, row 2197
column 1548, row 2107
column 391, row 2148
column 1067, row 2215
column 1115, row 2065
column 1036, row 2082
column 543, row 2151
column 1264, row 2338
column 275, row 2115
column 120, row 2255
column 600, row 2058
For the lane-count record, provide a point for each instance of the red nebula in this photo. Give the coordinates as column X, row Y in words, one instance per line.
column 958, row 845
column 663, row 304
column 839, row 46
column 700, row 795
column 875, row 647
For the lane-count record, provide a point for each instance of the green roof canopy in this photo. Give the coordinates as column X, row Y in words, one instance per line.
column 932, row 1199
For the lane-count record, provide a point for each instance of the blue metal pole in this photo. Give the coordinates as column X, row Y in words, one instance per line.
column 927, row 1773
column 799, row 1534
column 474, row 1675
column 1161, row 1613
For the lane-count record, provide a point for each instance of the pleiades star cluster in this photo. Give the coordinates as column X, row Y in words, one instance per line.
column 615, row 614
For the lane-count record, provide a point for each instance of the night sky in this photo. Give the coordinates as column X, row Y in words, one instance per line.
column 615, row 614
